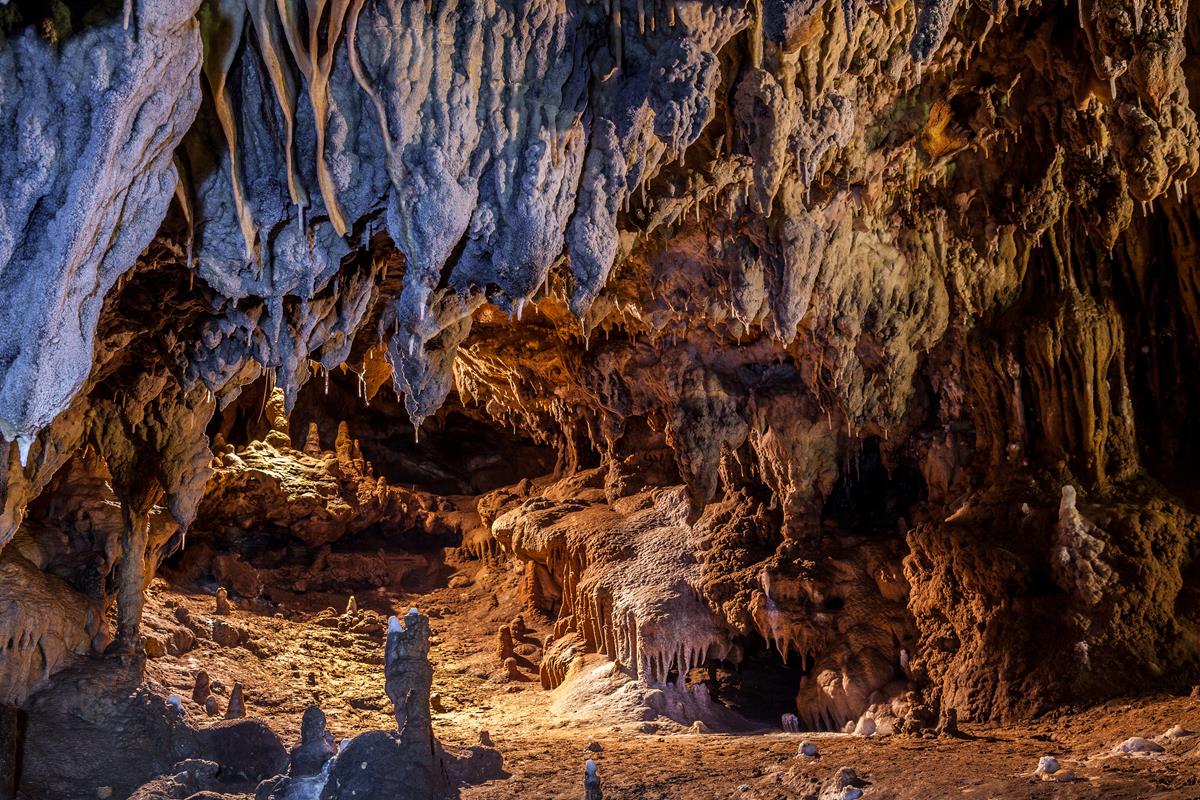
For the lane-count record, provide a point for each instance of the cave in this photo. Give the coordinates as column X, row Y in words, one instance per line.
column 435, row 399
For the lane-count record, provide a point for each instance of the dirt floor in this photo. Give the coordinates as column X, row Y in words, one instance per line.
column 306, row 650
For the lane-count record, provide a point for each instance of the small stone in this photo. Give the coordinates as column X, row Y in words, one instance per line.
column 1178, row 732
column 648, row 727
column 513, row 670
column 865, row 726
column 154, row 647
column 699, row 727
column 225, row 634
column 845, row 783
column 1047, row 765
column 807, row 749
column 223, row 606
column 1136, row 744
column 104, row 792
column 435, row 702
column 351, row 606
column 948, row 723
column 210, row 706
column 594, row 747
column 459, row 582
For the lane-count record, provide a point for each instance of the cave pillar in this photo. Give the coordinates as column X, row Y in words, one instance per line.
column 131, row 578
column 409, row 678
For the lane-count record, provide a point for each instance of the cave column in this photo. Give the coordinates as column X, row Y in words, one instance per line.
column 409, row 678
column 131, row 578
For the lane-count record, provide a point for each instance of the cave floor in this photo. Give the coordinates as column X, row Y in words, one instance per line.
column 304, row 650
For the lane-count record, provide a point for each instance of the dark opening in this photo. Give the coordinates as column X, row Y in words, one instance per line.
column 761, row 687
column 12, row 743
column 870, row 498
column 457, row 452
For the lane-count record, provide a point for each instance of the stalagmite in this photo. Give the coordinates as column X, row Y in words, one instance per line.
column 237, row 704
column 591, row 782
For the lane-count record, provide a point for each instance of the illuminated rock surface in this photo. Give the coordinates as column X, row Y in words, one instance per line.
column 692, row 366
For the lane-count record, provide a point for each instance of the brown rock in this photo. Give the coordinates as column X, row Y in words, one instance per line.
column 182, row 640
column 237, row 702
column 504, row 642
column 223, row 606
column 230, row 570
column 202, row 689
column 225, row 634
column 154, row 647
column 948, row 723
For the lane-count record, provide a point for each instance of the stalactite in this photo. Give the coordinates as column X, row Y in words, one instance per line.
column 221, row 24
column 264, row 15
column 314, row 54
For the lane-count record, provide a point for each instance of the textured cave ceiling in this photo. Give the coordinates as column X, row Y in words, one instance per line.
column 852, row 328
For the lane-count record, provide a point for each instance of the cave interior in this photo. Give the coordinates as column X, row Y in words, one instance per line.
column 423, row 399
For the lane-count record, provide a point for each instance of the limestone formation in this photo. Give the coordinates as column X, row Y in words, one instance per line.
column 591, row 782
column 409, row 676
column 504, row 642
column 223, row 606
column 202, row 689
column 855, row 338
column 236, row 709
column 316, row 745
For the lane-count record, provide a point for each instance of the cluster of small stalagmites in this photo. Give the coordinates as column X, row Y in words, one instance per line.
column 204, row 694
column 320, row 495
column 1176, row 739
column 517, row 649
column 221, row 629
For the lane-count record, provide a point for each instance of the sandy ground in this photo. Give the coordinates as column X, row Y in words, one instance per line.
column 300, row 653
